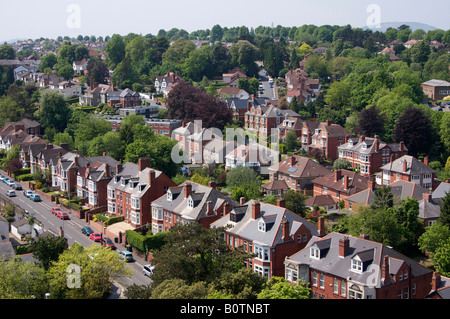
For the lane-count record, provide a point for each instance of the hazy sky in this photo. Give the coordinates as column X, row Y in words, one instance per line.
column 52, row 18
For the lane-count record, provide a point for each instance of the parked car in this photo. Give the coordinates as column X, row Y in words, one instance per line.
column 108, row 243
column 11, row 193
column 87, row 230
column 62, row 215
column 4, row 179
column 148, row 270
column 95, row 236
column 55, row 210
column 17, row 187
column 27, row 193
column 125, row 254
column 10, row 182
column 35, row 197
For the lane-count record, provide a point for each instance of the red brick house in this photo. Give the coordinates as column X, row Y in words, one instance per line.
column 440, row 287
column 327, row 137
column 340, row 184
column 298, row 172
column 132, row 190
column 436, row 89
column 189, row 203
column 339, row 266
column 367, row 154
column 270, row 231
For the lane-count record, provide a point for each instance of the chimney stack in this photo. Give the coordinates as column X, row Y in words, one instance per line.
column 226, row 209
column 242, row 201
column 362, row 138
column 345, row 182
column 425, row 160
column 285, row 229
column 436, row 280
column 426, row 196
column 321, row 226
column 292, row 160
column 151, row 177
column 405, row 166
column 377, row 143
column 118, row 168
column 209, row 208
column 107, row 170
column 212, row 184
column 256, row 210
column 143, row 163
column 187, row 190
column 337, row 175
column 385, row 270
column 281, row 202
column 402, row 146
column 344, row 245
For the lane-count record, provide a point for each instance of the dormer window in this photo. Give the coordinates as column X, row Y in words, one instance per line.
column 190, row 203
column 169, row 196
column 314, row 252
column 356, row 265
column 262, row 226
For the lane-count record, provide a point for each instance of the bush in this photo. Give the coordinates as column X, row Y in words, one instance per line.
column 25, row 177
column 39, row 185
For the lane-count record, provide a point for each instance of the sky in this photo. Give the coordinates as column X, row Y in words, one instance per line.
column 31, row 19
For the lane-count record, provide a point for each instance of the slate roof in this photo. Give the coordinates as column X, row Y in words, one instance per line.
column 369, row 251
column 200, row 194
column 429, row 209
column 7, row 251
column 367, row 146
column 405, row 189
column 441, row 190
column 356, row 182
column 246, row 227
column 414, row 166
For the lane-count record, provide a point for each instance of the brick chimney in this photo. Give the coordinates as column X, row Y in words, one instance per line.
column 385, row 270
column 151, row 177
column 118, row 168
column 321, row 226
column 425, row 160
column 242, row 201
column 75, row 161
column 187, row 190
column 362, row 138
column 226, row 209
column 405, row 166
column 344, row 245
column 212, row 184
column 143, row 163
column 345, row 182
column 291, row 161
column 377, row 143
column 337, row 175
column 281, row 202
column 107, row 170
column 436, row 280
column 402, row 146
column 371, row 184
column 209, row 208
column 256, row 210
column 426, row 196
column 285, row 229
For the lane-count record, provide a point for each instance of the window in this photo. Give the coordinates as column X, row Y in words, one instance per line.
column 263, row 271
column 263, row 253
column 291, row 275
column 169, row 196
column 190, row 203
column 314, row 279
column 406, row 293
column 413, row 287
column 335, row 286
column 343, row 288
column 135, row 202
column 321, row 281
column 356, row 265
column 262, row 226
column 314, row 253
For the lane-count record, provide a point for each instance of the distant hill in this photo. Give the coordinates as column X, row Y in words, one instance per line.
column 413, row 25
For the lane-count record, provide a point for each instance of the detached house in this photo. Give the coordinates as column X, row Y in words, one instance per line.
column 271, row 232
column 298, row 172
column 408, row 168
column 339, row 266
column 132, row 190
column 189, row 203
column 327, row 137
column 162, row 83
column 80, row 66
column 368, row 154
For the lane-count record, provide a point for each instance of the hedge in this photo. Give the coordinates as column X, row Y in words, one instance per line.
column 25, row 177
column 147, row 242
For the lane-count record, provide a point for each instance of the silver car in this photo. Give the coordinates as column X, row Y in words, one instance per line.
column 148, row 270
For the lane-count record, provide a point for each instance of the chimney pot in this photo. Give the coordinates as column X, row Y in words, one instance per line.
column 337, row 175
column 187, row 190
column 143, row 163
column 242, row 201
column 321, row 226
column 405, row 166
column 435, row 280
column 285, row 229
column 385, row 270
column 425, row 160
column 345, row 182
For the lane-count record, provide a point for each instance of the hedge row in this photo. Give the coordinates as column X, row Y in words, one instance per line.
column 145, row 243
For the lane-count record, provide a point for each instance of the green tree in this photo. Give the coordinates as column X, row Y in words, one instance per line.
column 98, row 267
column 444, row 216
column 279, row 288
column 48, row 61
column 66, row 71
column 243, row 284
column 115, row 48
column 295, row 202
column 338, row 95
column 442, row 258
column 53, row 111
column 7, row 52
column 179, row 289
column 48, row 248
column 384, row 198
column 432, row 237
column 216, row 33
column 291, row 140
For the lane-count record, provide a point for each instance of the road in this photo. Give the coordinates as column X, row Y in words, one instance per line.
column 267, row 93
column 72, row 231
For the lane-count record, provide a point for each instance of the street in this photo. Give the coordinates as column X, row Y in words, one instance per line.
column 268, row 93
column 72, row 231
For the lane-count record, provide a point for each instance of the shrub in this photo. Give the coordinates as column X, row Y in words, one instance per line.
column 39, row 185
column 25, row 177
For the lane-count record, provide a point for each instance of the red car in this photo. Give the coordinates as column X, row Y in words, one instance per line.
column 108, row 243
column 95, row 236
column 62, row 215
column 55, row 210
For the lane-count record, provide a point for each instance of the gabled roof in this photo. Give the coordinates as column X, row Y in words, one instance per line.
column 246, row 227
column 302, row 167
column 356, row 182
column 369, row 252
column 413, row 166
column 405, row 189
